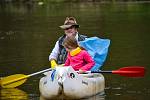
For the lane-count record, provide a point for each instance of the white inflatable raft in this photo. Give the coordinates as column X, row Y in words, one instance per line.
column 67, row 83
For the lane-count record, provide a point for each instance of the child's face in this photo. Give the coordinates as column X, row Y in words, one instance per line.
column 69, row 48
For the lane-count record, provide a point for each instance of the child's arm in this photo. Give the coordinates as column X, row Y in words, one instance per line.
column 67, row 62
column 89, row 62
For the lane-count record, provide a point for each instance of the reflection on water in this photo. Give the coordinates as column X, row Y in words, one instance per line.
column 121, row 90
column 99, row 96
column 13, row 94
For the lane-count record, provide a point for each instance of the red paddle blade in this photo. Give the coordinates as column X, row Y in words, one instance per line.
column 134, row 71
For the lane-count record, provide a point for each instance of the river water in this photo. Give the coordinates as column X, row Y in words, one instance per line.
column 29, row 31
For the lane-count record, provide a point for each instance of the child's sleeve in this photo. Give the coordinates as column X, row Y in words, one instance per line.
column 67, row 62
column 89, row 62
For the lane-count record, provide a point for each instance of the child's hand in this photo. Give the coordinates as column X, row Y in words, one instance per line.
column 81, row 71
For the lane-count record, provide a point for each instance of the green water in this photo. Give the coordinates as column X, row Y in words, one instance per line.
column 28, row 33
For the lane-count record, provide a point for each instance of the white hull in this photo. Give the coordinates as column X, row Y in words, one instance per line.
column 70, row 84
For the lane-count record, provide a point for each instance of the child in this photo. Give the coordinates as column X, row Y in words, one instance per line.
column 78, row 58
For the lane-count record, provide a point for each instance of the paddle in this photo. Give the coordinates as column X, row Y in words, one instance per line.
column 131, row 71
column 17, row 79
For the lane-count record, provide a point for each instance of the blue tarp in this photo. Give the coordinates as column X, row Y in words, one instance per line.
column 97, row 48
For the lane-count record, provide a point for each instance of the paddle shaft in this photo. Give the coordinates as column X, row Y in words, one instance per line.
column 113, row 72
column 101, row 71
column 40, row 72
